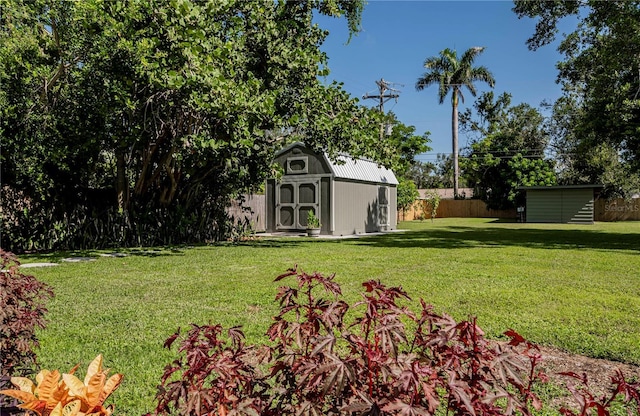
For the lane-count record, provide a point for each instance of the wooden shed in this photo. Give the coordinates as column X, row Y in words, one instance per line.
column 571, row 204
column 350, row 196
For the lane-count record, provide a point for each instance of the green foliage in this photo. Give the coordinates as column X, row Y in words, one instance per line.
column 126, row 112
column 402, row 146
column 508, row 151
column 499, row 177
column 312, row 220
column 429, row 175
column 432, row 201
column 420, row 173
column 407, row 193
column 549, row 14
column 596, row 123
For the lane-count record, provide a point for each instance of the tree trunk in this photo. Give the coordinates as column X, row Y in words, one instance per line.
column 454, row 142
column 122, row 185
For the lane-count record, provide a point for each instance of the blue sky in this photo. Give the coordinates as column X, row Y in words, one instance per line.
column 397, row 36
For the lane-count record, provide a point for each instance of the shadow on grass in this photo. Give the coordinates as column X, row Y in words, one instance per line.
column 278, row 242
column 58, row 256
column 469, row 237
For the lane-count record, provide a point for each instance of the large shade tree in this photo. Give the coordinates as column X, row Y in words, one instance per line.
column 135, row 122
column 507, row 150
column 596, row 123
column 451, row 74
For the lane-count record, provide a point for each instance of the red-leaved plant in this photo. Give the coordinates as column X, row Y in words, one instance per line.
column 378, row 359
column 587, row 400
column 22, row 310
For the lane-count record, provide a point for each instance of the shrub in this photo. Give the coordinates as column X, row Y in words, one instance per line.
column 312, row 220
column 407, row 193
column 587, row 400
column 22, row 310
column 432, row 202
column 69, row 396
column 388, row 360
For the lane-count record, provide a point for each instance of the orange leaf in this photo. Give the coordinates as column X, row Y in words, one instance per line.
column 111, row 385
column 76, row 387
column 20, row 395
column 61, row 394
column 38, row 406
column 94, row 368
column 94, row 388
column 48, row 386
column 24, row 384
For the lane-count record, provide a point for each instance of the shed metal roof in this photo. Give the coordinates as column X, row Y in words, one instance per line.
column 345, row 167
column 349, row 168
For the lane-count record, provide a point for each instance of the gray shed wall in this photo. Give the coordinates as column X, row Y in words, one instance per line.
column 357, row 208
column 560, row 206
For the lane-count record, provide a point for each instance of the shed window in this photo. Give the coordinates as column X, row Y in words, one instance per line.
column 383, row 205
column 307, row 192
column 287, row 218
column 297, row 165
column 383, row 197
column 286, row 194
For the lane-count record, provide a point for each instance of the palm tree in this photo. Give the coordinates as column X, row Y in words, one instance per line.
column 452, row 74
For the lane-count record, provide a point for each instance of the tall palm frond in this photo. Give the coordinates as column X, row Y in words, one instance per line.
column 451, row 74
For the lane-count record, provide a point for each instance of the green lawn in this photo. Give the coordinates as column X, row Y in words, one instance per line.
column 573, row 287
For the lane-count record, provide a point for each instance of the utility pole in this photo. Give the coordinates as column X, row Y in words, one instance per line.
column 383, row 87
column 385, row 93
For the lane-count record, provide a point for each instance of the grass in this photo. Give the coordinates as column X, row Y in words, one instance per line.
column 573, row 287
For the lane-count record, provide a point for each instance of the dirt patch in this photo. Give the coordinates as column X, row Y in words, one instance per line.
column 598, row 371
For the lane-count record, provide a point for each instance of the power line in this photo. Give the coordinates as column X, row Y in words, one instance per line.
column 382, row 96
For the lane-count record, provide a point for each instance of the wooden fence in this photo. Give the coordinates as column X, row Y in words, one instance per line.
column 449, row 208
column 604, row 210
column 253, row 210
column 617, row 210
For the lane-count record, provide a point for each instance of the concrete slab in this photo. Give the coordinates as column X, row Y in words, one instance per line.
column 325, row 236
column 77, row 259
column 28, row 265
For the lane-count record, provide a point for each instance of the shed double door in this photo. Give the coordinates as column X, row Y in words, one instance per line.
column 294, row 200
